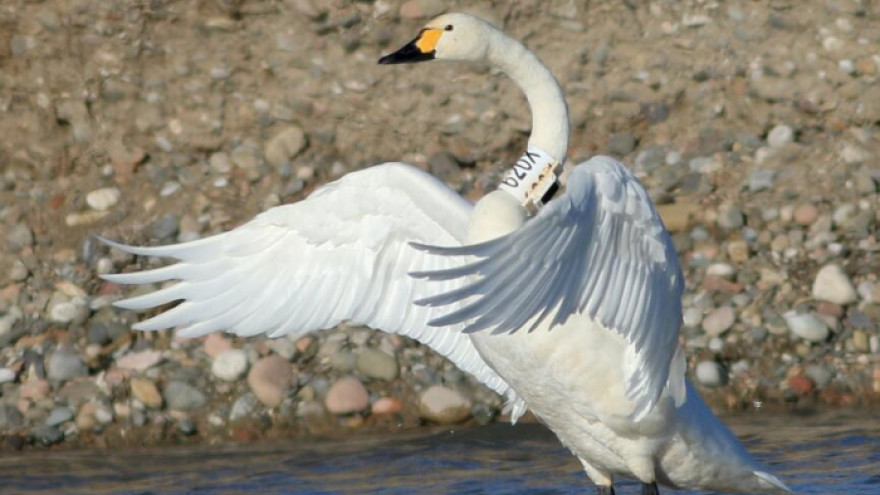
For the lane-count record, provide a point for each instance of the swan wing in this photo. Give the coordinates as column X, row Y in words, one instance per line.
column 599, row 249
column 340, row 255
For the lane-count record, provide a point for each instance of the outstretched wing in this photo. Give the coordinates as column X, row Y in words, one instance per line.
column 342, row 254
column 599, row 249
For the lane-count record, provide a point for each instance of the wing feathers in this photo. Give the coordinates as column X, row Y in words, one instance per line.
column 600, row 249
column 342, row 254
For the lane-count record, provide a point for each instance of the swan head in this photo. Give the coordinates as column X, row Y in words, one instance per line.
column 459, row 37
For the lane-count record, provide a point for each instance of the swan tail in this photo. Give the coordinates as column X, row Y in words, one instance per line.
column 773, row 484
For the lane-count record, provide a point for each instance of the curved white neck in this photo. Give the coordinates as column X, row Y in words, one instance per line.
column 550, row 127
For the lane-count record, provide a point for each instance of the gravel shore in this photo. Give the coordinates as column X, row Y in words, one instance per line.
column 755, row 126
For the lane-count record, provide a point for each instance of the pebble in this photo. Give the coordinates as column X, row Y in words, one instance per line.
column 832, row 284
column 47, row 435
column 65, row 364
column 421, row 9
column 761, row 180
column 139, row 361
column 730, row 217
column 18, row 237
column 347, row 395
column 692, row 317
column 621, row 144
column 10, row 417
column 710, row 374
column 216, row 344
column 443, row 405
column 244, row 407
column 182, row 396
column 165, row 227
column 387, row 405
column 719, row 321
column 103, row 199
column 860, row 341
column 269, row 379
column 285, row 146
column 377, row 365
column 780, row 136
column 819, row 374
column 145, row 391
column 6, row 375
column 801, row 385
column 805, row 214
column 231, row 365
column 58, row 416
column 807, row 326
column 19, row 271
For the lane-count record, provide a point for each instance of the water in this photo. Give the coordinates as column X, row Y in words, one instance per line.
column 826, row 454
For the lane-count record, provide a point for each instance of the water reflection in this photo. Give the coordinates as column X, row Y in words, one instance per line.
column 818, row 454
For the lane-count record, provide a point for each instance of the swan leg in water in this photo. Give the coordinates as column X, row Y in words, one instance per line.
column 570, row 307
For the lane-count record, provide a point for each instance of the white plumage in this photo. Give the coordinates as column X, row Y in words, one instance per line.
column 574, row 313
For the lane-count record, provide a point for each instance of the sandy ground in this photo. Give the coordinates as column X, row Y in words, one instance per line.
column 753, row 124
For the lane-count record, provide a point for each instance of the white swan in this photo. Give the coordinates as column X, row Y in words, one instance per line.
column 573, row 313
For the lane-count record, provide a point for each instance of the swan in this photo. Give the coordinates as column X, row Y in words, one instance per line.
column 570, row 307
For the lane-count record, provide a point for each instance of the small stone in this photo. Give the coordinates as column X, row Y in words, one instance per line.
column 216, row 344
column 65, row 364
column 139, row 361
column 387, row 405
column 780, row 136
column 692, row 317
column 738, row 251
column 165, row 227
column 860, row 341
column 805, row 214
column 807, row 326
column 443, row 165
column 421, row 9
column 852, row 154
column 710, row 374
column 18, row 237
column 285, row 146
column 443, row 405
column 269, row 379
column 622, row 144
column 10, row 417
column 308, row 8
column 377, row 365
column 801, row 385
column 760, row 180
column 6, row 375
column 19, row 271
column 730, row 217
column 832, row 284
column 58, row 416
column 230, row 365
column 182, row 396
column 244, row 407
column 719, row 321
column 819, row 374
column 342, row 361
column 145, row 391
column 186, row 425
column 103, row 199
column 47, row 435
column 722, row 270
column 347, row 395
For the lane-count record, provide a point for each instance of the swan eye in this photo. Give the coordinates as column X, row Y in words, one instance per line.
column 448, row 27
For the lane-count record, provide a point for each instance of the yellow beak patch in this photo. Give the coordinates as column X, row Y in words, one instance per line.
column 428, row 40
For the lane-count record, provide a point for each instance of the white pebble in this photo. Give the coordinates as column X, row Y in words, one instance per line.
column 780, row 136
column 103, row 199
column 6, row 375
column 230, row 365
column 710, row 374
column 807, row 326
column 832, row 284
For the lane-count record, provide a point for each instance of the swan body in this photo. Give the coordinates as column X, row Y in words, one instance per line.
column 573, row 312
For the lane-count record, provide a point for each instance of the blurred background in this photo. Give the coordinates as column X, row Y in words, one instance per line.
column 753, row 124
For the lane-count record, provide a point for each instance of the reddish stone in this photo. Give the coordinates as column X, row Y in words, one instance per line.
column 801, row 385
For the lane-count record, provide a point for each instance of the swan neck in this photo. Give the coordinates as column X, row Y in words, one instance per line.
column 550, row 127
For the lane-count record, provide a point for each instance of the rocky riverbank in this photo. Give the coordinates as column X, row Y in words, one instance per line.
column 754, row 125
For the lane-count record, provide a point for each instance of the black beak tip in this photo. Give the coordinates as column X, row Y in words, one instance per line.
column 386, row 60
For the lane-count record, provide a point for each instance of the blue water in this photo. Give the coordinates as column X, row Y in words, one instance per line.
column 827, row 454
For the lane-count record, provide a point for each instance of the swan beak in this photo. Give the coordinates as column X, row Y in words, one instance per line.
column 420, row 49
